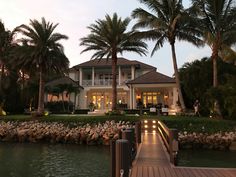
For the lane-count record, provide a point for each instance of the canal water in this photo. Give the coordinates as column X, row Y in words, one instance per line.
column 207, row 158
column 61, row 160
column 67, row 160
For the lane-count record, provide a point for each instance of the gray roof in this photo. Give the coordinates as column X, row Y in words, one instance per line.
column 152, row 77
column 63, row 80
column 107, row 62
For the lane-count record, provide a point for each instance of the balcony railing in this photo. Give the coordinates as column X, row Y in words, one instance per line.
column 102, row 82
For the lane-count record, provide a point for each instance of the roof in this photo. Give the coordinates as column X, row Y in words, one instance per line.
column 152, row 77
column 107, row 62
column 63, row 80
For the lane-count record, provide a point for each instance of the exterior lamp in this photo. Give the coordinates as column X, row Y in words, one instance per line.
column 138, row 96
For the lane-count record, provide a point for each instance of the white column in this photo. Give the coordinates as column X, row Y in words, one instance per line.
column 134, row 99
column 130, row 97
column 132, row 72
column 119, row 72
column 93, row 76
column 175, row 96
column 80, row 76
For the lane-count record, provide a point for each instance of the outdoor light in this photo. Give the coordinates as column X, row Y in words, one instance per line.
column 153, row 131
column 145, row 131
column 154, row 126
column 154, row 121
column 145, row 121
column 145, row 126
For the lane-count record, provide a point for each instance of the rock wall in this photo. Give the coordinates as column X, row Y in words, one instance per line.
column 35, row 131
column 218, row 141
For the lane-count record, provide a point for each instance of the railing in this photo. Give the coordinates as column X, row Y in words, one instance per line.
column 170, row 139
column 102, row 82
column 169, row 136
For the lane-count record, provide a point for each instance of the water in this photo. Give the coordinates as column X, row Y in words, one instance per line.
column 43, row 160
column 207, row 158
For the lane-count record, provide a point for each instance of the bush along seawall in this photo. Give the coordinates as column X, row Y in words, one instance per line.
column 34, row 131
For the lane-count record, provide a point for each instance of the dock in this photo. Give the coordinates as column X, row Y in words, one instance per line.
column 152, row 160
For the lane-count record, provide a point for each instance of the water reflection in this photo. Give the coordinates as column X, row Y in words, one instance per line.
column 23, row 160
column 207, row 158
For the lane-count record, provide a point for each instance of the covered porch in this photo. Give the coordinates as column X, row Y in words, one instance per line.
column 155, row 95
column 153, row 90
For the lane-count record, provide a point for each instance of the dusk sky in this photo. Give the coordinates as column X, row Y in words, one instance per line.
column 74, row 16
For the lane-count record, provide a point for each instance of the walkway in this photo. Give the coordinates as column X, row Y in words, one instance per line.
column 153, row 161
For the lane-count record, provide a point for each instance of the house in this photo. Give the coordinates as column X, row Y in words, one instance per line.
column 137, row 83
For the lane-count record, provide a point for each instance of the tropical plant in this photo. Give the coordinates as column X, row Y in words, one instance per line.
column 108, row 38
column 218, row 23
column 200, row 71
column 166, row 20
column 43, row 52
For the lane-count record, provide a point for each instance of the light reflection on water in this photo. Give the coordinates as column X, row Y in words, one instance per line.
column 43, row 160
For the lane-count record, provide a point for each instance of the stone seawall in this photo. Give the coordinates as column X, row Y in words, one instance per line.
column 35, row 131
column 217, row 141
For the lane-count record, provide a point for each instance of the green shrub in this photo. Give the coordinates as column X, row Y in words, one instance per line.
column 194, row 124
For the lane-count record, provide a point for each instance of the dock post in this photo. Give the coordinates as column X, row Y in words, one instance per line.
column 133, row 147
column 127, row 135
column 122, row 162
column 173, row 146
column 138, row 132
column 113, row 157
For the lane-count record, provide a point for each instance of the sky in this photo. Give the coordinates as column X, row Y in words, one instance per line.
column 74, row 16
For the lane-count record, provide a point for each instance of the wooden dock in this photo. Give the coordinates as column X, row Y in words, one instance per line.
column 153, row 161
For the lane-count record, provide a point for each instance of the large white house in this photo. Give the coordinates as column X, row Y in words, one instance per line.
column 137, row 83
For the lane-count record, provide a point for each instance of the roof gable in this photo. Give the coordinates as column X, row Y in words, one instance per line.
column 107, row 62
column 152, row 77
column 63, row 80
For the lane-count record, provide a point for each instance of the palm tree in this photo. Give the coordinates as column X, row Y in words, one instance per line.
column 43, row 51
column 166, row 20
column 218, row 22
column 108, row 38
column 6, row 41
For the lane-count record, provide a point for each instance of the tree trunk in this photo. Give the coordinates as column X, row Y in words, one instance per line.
column 181, row 99
column 214, row 57
column 114, row 85
column 1, row 77
column 63, row 102
column 41, row 93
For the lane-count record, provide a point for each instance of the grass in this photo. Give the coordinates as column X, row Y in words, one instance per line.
column 182, row 123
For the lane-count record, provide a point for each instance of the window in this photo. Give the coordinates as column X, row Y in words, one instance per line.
column 150, row 98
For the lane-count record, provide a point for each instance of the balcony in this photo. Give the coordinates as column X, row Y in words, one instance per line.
column 102, row 82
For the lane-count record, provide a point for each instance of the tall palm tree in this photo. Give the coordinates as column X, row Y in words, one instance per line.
column 218, row 22
column 43, row 52
column 6, row 43
column 166, row 21
column 108, row 38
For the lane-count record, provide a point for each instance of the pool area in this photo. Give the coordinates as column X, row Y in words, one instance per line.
column 60, row 160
